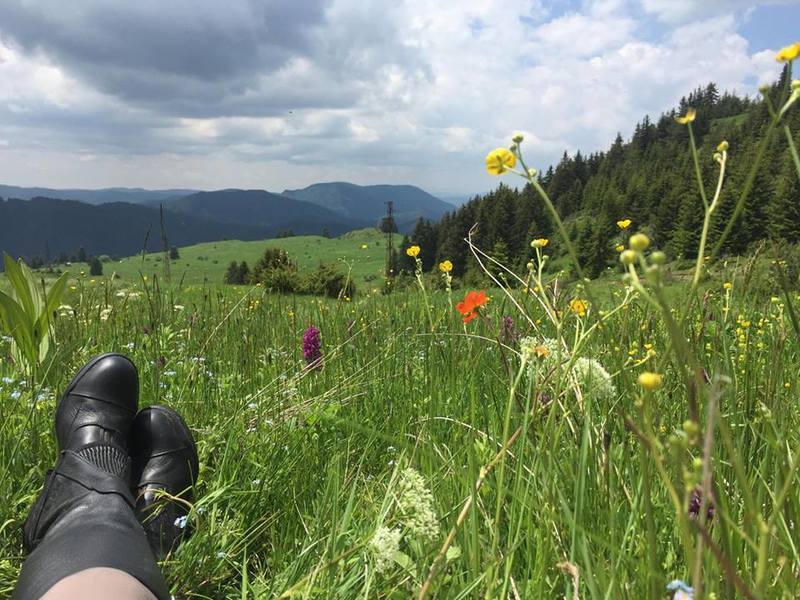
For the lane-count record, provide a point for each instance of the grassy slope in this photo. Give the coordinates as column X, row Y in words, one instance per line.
column 207, row 262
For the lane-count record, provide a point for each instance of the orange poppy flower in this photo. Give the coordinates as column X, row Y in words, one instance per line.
column 469, row 317
column 472, row 301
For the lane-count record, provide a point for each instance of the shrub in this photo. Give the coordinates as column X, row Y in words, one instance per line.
column 95, row 266
column 328, row 280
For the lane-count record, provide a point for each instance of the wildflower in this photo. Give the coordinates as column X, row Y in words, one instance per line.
column 105, row 313
column 500, row 160
column 722, row 146
column 539, row 243
column 696, row 502
column 541, row 351
column 578, row 306
column 639, row 242
column 384, row 545
column 180, row 522
column 472, row 301
column 507, row 333
column 624, row 223
column 593, row 378
column 727, row 285
column 691, row 115
column 789, row 53
column 445, row 266
column 681, row 590
column 650, row 381
column 517, row 137
column 628, row 257
column 415, row 505
column 619, row 248
column 312, row 347
column 413, row 251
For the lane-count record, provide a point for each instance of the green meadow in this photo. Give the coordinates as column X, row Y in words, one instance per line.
column 206, row 263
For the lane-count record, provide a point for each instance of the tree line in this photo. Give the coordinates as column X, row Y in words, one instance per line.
column 649, row 179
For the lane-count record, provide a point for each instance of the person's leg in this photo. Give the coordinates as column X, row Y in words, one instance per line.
column 99, row 584
column 84, row 517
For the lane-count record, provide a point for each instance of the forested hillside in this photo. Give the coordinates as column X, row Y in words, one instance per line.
column 649, row 179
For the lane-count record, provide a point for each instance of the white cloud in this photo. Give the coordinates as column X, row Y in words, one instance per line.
column 412, row 92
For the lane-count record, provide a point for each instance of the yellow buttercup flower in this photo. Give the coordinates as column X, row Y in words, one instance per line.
column 619, row 248
column 500, row 160
column 650, row 381
column 624, row 223
column 445, row 266
column 727, row 285
column 539, row 243
column 788, row 53
column 413, row 251
column 690, row 116
column 578, row 306
column 364, row 246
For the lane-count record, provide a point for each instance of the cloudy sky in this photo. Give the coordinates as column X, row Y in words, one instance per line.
column 279, row 94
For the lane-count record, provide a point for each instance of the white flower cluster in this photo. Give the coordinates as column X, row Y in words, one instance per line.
column 590, row 375
column 415, row 505
column 384, row 545
column 593, row 378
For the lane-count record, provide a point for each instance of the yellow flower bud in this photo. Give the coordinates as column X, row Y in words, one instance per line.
column 658, row 258
column 532, row 172
column 517, row 137
column 539, row 243
column 639, row 242
column 650, row 381
column 722, row 146
column 628, row 257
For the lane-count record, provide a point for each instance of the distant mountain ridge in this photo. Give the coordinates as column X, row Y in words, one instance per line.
column 101, row 196
column 257, row 207
column 43, row 221
column 46, row 227
column 368, row 202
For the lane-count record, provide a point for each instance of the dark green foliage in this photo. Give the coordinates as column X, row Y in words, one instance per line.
column 95, row 266
column 650, row 180
column 328, row 280
column 174, row 254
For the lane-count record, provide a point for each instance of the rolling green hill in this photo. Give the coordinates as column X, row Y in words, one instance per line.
column 207, row 262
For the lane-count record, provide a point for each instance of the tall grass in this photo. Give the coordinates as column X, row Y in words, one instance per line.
column 554, row 469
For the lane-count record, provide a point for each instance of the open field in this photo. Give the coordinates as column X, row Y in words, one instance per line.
column 300, row 469
column 206, row 263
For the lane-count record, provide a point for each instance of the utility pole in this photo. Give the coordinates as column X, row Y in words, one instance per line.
column 389, row 227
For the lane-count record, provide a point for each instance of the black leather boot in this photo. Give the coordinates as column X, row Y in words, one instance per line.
column 164, row 473
column 84, row 516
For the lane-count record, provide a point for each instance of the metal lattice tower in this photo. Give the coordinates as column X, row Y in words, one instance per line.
column 389, row 238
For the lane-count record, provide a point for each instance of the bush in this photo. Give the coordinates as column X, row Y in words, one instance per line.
column 95, row 266
column 284, row 281
column 328, row 280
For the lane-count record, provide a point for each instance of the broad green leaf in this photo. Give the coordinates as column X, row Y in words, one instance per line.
column 20, row 289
